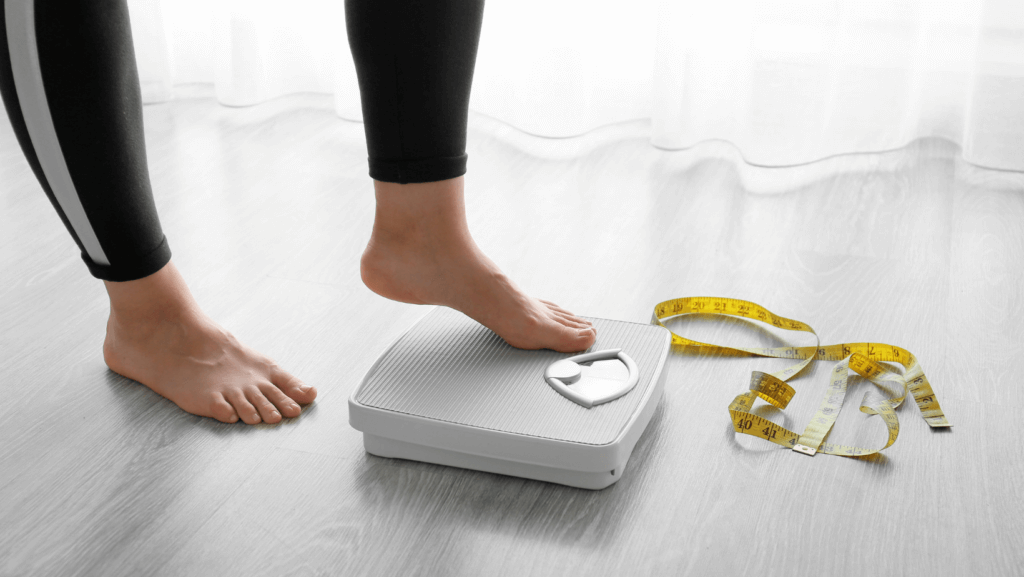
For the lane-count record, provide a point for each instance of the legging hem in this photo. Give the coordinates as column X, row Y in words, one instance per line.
column 140, row 267
column 421, row 170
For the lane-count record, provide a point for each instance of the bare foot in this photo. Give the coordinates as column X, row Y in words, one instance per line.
column 158, row 336
column 421, row 252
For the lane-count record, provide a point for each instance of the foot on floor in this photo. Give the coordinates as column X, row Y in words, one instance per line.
column 158, row 336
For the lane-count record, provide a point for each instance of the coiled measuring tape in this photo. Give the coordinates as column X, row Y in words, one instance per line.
column 862, row 358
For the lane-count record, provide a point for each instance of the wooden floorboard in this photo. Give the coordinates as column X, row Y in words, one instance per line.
column 267, row 210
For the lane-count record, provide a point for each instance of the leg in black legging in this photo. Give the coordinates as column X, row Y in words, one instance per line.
column 67, row 74
column 71, row 90
column 414, row 60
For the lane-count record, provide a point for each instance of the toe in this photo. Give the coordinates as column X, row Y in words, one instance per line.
column 243, row 407
column 283, row 402
column 571, row 339
column 293, row 387
column 571, row 321
column 268, row 412
column 222, row 410
column 563, row 312
column 585, row 338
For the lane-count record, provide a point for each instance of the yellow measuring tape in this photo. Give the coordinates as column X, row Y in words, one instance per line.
column 862, row 358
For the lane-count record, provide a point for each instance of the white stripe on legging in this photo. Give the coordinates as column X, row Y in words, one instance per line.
column 28, row 81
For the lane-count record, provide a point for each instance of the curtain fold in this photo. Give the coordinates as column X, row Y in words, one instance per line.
column 786, row 81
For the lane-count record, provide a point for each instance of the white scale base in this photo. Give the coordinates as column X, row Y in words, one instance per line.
column 451, row 392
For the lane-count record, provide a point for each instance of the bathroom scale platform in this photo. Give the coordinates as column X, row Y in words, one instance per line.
column 451, row 392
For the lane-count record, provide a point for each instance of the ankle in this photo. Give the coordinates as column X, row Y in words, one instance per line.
column 418, row 212
column 160, row 296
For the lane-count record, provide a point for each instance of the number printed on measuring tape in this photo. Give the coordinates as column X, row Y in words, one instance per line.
column 861, row 358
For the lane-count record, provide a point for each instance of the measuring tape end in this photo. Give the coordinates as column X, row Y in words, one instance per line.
column 809, row 451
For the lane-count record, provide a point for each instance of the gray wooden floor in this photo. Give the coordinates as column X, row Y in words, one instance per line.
column 267, row 210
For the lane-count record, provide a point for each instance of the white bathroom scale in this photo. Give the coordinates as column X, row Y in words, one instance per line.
column 451, row 392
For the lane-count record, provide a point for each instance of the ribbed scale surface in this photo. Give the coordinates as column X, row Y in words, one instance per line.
column 450, row 368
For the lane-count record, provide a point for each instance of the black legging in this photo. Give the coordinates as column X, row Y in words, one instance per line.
column 414, row 60
column 71, row 90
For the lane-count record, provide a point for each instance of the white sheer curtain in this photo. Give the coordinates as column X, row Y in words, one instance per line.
column 786, row 81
